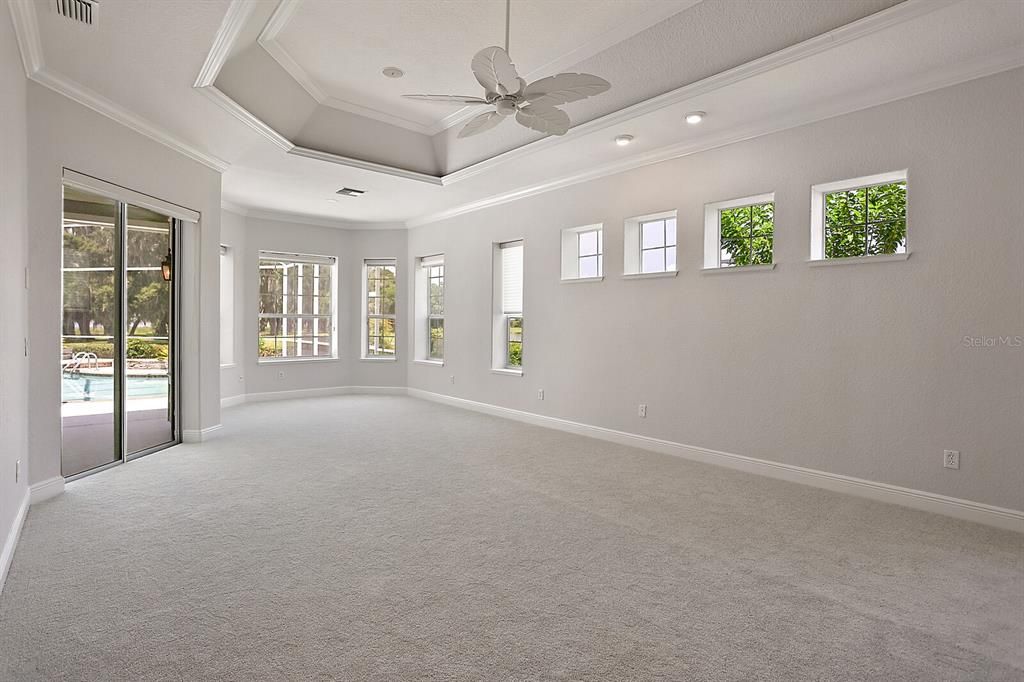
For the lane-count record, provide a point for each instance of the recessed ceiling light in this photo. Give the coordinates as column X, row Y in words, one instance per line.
column 623, row 140
column 695, row 117
column 393, row 72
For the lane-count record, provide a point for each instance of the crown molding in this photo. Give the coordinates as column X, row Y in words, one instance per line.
column 234, row 20
column 624, row 30
column 245, row 116
column 940, row 78
column 905, row 11
column 300, row 219
column 119, row 114
column 268, row 41
column 366, row 165
column 26, row 30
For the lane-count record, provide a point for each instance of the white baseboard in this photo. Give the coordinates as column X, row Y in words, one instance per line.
column 200, row 435
column 11, row 539
column 232, row 400
column 320, row 392
column 1009, row 519
column 44, row 490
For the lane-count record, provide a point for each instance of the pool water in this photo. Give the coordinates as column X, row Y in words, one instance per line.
column 102, row 388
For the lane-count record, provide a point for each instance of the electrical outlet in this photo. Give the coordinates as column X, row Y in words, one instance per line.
column 451, row 379
column 17, row 471
column 280, row 375
column 642, row 410
column 951, row 459
column 540, row 394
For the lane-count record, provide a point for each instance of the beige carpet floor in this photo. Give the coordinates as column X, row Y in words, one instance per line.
column 386, row 538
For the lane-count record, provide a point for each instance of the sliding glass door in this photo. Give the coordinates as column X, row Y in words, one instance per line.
column 118, row 360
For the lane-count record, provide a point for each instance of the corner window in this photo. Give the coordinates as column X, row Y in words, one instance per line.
column 296, row 306
column 430, row 309
column 507, row 349
column 583, row 253
column 649, row 245
column 740, row 232
column 860, row 217
column 379, row 287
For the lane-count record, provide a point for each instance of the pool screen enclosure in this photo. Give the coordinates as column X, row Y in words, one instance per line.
column 118, row 356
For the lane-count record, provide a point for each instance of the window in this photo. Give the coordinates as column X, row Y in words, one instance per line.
column 379, row 330
column 296, row 316
column 430, row 309
column 740, row 232
column 227, row 306
column 650, row 245
column 860, row 217
column 507, row 350
column 583, row 253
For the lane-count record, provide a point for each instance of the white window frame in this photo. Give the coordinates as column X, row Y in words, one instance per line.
column 713, row 231
column 818, row 193
column 424, row 315
column 319, row 321
column 227, row 306
column 366, row 316
column 502, row 318
column 571, row 256
column 632, row 251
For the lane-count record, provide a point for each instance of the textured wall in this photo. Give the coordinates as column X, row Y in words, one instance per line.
column 350, row 247
column 858, row 370
column 62, row 133
column 13, row 297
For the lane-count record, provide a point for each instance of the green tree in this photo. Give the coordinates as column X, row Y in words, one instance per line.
column 866, row 221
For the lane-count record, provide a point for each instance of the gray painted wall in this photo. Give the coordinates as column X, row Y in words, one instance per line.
column 858, row 370
column 13, row 296
column 62, row 133
column 251, row 235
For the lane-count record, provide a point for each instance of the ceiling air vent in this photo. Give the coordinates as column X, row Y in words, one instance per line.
column 349, row 192
column 83, row 11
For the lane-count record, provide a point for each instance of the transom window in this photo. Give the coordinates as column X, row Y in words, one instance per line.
column 296, row 306
column 866, row 221
column 583, row 253
column 590, row 246
column 658, row 245
column 746, row 235
column 379, row 330
column 860, row 217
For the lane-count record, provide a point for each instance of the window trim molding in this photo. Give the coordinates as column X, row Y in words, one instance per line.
column 851, row 260
column 713, row 229
column 818, row 192
column 306, row 259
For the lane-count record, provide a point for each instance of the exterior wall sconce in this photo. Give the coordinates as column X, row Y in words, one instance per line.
column 166, row 265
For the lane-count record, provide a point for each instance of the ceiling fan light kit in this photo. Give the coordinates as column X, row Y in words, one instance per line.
column 533, row 104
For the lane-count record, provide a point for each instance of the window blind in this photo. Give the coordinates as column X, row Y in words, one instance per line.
column 512, row 277
column 427, row 261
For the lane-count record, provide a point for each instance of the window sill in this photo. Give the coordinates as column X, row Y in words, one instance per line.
column 228, row 365
column 880, row 258
column 392, row 359
column 580, row 280
column 285, row 361
column 650, row 275
column 739, row 268
column 435, row 363
column 507, row 372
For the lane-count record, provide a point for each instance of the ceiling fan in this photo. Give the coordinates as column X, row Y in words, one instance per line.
column 532, row 104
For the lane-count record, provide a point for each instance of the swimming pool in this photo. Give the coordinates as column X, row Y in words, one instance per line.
column 102, row 388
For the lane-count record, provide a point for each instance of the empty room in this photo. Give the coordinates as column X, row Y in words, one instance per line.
column 511, row 340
